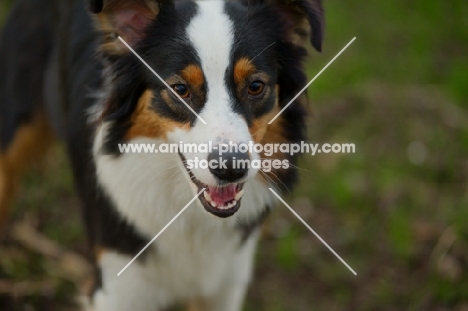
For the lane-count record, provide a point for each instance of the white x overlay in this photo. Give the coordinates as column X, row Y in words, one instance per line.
column 203, row 121
column 160, row 232
column 312, row 230
column 311, row 81
column 162, row 80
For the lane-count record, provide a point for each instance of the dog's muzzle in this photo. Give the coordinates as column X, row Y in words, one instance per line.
column 224, row 199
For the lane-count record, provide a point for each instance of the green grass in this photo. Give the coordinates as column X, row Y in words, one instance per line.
column 424, row 42
column 404, row 79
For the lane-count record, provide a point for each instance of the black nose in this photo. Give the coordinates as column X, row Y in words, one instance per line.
column 229, row 166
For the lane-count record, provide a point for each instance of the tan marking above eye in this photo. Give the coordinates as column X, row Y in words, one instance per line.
column 243, row 69
column 193, row 75
column 147, row 123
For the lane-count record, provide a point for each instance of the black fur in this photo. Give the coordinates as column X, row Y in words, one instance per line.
column 21, row 93
column 252, row 40
column 78, row 72
column 281, row 60
column 66, row 70
column 167, row 50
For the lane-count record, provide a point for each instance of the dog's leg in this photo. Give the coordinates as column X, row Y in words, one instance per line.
column 231, row 294
column 7, row 189
column 30, row 142
column 135, row 289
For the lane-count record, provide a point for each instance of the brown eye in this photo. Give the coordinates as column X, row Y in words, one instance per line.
column 181, row 90
column 256, row 88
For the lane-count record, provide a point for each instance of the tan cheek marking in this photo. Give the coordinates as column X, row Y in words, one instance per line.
column 265, row 133
column 271, row 134
column 259, row 126
column 193, row 75
column 242, row 70
column 147, row 123
column 166, row 96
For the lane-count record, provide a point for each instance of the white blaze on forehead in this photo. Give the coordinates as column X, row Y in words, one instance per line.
column 211, row 33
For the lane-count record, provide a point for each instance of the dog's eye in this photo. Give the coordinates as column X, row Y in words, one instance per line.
column 181, row 90
column 256, row 88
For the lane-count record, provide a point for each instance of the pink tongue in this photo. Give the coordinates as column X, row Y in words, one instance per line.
column 223, row 195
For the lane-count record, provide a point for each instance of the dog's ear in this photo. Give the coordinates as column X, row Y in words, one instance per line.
column 305, row 20
column 125, row 18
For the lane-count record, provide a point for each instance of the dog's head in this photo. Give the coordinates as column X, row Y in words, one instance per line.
column 235, row 64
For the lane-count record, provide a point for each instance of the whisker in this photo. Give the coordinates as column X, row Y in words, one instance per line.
column 299, row 168
column 262, row 51
column 291, row 165
column 265, row 180
column 270, row 179
column 174, row 179
column 277, row 178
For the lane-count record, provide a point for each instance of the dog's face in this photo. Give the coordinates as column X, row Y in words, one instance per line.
column 235, row 65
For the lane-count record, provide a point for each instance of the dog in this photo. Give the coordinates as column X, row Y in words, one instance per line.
column 68, row 73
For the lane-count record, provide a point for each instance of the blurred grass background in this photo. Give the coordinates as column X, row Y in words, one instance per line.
column 396, row 210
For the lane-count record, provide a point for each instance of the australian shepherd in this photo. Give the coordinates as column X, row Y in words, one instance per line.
column 226, row 68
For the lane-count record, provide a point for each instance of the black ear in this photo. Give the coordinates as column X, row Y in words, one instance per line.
column 125, row 18
column 305, row 20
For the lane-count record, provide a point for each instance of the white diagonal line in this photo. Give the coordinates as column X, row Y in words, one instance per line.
column 308, row 84
column 160, row 232
column 162, row 80
column 312, row 230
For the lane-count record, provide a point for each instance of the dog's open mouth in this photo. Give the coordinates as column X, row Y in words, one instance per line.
column 222, row 201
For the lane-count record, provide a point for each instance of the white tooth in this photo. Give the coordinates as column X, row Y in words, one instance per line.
column 239, row 195
column 213, row 203
column 207, row 196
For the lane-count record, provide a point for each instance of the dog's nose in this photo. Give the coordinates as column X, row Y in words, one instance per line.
column 229, row 166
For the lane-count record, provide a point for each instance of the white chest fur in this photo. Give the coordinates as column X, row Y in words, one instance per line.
column 199, row 252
